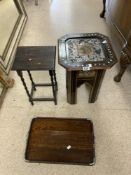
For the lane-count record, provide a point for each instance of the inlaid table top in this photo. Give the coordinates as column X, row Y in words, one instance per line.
column 85, row 51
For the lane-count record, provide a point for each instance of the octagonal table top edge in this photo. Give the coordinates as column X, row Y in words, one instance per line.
column 88, row 65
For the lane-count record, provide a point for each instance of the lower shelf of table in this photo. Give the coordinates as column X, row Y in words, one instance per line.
column 43, row 98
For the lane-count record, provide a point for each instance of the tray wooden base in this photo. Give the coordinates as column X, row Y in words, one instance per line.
column 58, row 140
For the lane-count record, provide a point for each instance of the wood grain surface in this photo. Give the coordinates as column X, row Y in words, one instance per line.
column 58, row 140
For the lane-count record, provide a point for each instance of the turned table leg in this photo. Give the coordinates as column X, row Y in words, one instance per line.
column 102, row 14
column 20, row 74
column 31, row 79
column 51, row 73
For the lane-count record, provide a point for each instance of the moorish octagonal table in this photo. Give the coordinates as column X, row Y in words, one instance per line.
column 85, row 57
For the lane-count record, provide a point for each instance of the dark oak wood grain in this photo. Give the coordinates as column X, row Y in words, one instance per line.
column 36, row 58
column 58, row 140
column 75, row 79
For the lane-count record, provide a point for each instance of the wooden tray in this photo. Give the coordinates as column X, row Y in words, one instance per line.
column 58, row 140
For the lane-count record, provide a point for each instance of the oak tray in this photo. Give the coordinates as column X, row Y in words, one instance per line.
column 60, row 140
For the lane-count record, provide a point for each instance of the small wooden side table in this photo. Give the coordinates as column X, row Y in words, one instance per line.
column 36, row 58
column 86, row 57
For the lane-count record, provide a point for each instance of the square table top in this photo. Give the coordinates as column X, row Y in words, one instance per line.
column 85, row 51
column 35, row 58
column 61, row 140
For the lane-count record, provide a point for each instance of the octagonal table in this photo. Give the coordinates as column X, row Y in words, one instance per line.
column 85, row 57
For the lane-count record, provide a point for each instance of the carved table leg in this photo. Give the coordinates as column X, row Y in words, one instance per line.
column 125, row 58
column 124, row 62
column 102, row 14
